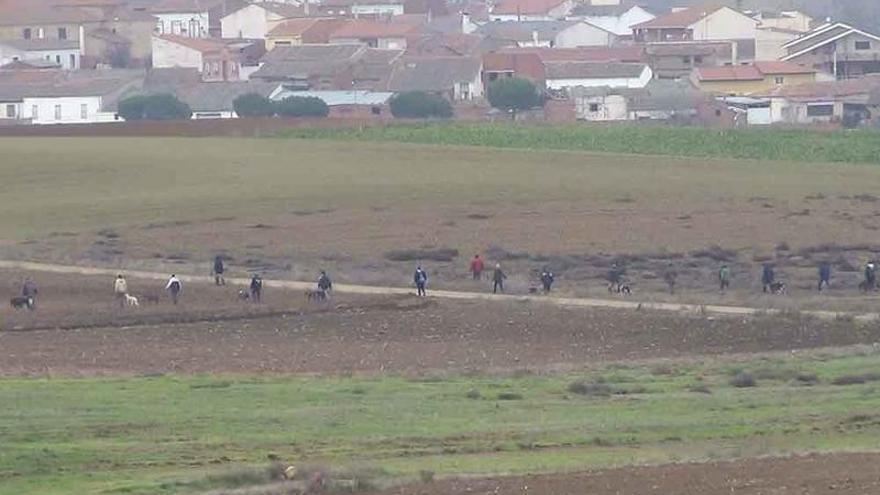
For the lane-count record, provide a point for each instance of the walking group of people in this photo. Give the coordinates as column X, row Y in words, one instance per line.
column 477, row 266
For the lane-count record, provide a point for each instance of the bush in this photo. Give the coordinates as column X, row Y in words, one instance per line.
column 253, row 105
column 439, row 254
column 509, row 396
column 302, row 106
column 420, row 105
column 154, row 107
column 513, row 94
column 743, row 380
column 597, row 388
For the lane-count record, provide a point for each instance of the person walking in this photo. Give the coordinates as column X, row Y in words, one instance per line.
column 498, row 277
column 724, row 277
column 324, row 282
column 670, row 276
column 870, row 276
column 29, row 290
column 477, row 267
column 547, row 279
column 824, row 275
column 768, row 276
column 219, row 269
column 421, row 280
column 615, row 278
column 174, row 287
column 256, row 288
column 120, row 290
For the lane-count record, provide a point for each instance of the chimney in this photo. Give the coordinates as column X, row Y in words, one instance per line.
column 467, row 27
column 734, row 53
column 535, row 38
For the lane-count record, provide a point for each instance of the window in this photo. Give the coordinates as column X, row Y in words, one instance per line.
column 698, row 59
column 824, row 110
column 686, row 60
column 282, row 43
column 594, row 107
column 72, row 61
column 718, row 113
column 863, row 45
column 175, row 27
column 57, row 112
column 40, row 33
column 84, row 111
column 35, row 112
column 58, row 59
column 779, row 80
column 464, row 91
column 376, row 110
column 10, row 111
column 26, row 33
column 62, row 33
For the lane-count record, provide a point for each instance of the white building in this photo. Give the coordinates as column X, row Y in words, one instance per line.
column 563, row 75
column 254, row 21
column 548, row 34
column 618, row 20
column 531, row 10
column 63, row 53
column 188, row 18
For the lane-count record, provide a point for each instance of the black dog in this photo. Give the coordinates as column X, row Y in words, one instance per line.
column 316, row 295
column 21, row 302
column 778, row 288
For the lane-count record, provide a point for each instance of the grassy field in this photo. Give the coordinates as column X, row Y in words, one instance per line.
column 175, row 434
column 763, row 144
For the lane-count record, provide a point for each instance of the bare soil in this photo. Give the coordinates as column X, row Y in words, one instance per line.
column 77, row 329
column 851, row 474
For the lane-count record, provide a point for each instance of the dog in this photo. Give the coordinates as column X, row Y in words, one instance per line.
column 778, row 288
column 625, row 289
column 244, row 295
column 131, row 301
column 21, row 302
column 622, row 288
column 316, row 295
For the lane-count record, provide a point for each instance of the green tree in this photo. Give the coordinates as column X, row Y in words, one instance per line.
column 132, row 108
column 154, row 107
column 420, row 105
column 302, row 106
column 253, row 105
column 512, row 94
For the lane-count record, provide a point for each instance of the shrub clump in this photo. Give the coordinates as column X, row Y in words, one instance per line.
column 856, row 379
column 597, row 388
column 439, row 254
column 743, row 380
column 253, row 105
column 420, row 105
column 154, row 107
column 302, row 106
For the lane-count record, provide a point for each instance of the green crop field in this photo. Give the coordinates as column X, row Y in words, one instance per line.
column 177, row 434
column 759, row 144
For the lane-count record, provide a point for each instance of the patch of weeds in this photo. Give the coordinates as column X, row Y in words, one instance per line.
column 715, row 253
column 807, row 378
column 358, row 390
column 426, row 475
column 663, row 370
column 814, row 197
column 699, row 389
column 108, row 234
column 474, row 394
column 261, row 226
column 509, row 396
column 743, row 380
column 501, row 254
column 479, row 216
column 866, row 198
column 601, row 442
column 597, row 388
column 783, row 246
column 438, row 254
column 241, row 477
column 856, row 379
column 210, row 385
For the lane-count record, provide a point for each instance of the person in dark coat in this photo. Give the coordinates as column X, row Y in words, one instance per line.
column 219, row 269
column 324, row 282
column 768, row 276
column 29, row 290
column 498, row 278
column 824, row 275
column 547, row 279
column 256, row 288
column 870, row 276
column 670, row 276
column 421, row 280
column 615, row 278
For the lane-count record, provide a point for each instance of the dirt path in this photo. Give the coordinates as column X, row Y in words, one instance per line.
column 446, row 294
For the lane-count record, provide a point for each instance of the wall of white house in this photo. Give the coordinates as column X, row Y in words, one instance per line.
column 464, row 91
column 377, row 9
column 167, row 54
column 68, row 59
column 63, row 110
column 621, row 25
column 249, row 22
column 189, row 24
column 601, row 108
column 725, row 24
column 583, row 34
column 611, row 82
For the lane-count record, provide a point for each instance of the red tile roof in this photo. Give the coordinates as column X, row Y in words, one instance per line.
column 526, row 7
column 204, row 45
column 373, row 29
column 628, row 53
column 293, row 27
column 680, row 19
column 754, row 72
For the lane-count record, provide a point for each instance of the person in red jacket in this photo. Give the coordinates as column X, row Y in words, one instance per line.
column 477, row 267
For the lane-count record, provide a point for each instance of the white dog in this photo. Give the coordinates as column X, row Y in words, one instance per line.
column 131, row 301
